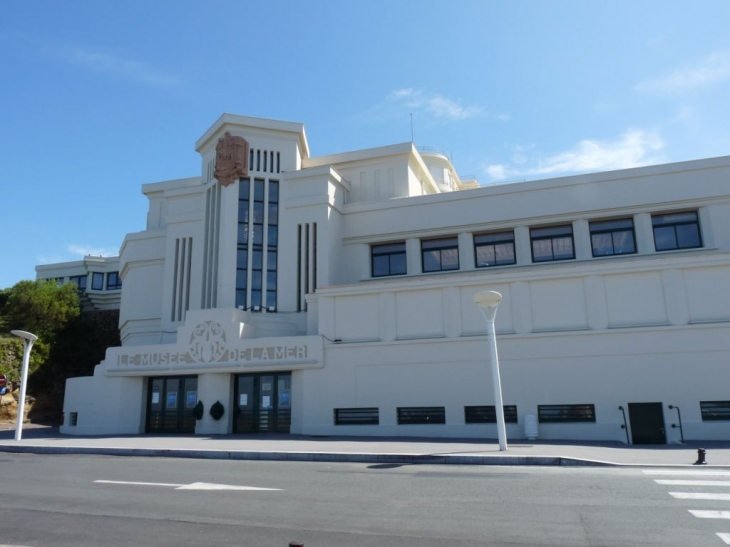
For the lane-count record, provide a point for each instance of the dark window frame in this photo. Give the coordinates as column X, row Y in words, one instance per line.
column 658, row 222
column 113, row 281
column 80, row 280
column 97, row 281
column 421, row 415
column 493, row 239
column 446, row 244
column 709, row 411
column 487, row 414
column 379, row 251
column 603, row 227
column 543, row 234
column 357, row 416
column 561, row 414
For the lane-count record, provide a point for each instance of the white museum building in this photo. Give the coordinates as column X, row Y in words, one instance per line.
column 334, row 295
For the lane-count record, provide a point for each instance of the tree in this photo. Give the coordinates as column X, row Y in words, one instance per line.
column 41, row 307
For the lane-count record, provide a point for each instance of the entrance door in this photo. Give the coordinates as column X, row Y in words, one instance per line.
column 263, row 403
column 170, row 404
column 647, row 423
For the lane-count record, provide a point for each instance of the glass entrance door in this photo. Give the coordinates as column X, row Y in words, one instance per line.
column 170, row 404
column 263, row 403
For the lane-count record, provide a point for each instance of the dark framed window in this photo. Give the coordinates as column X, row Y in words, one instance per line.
column 439, row 255
column 421, row 415
column 547, row 414
column 389, row 259
column 113, row 281
column 715, row 411
column 676, row 231
column 97, row 281
column 613, row 237
column 80, row 281
column 554, row 243
column 497, row 249
column 488, row 414
column 357, row 416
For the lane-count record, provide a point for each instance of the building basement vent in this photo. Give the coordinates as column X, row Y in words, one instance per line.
column 421, row 415
column 488, row 414
column 357, row 416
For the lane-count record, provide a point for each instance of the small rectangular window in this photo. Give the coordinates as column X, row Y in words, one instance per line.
column 97, row 281
column 566, row 413
column 113, row 281
column 439, row 255
column 554, row 243
column 80, row 281
column 715, row 411
column 496, row 249
column 676, row 231
column 613, row 237
column 357, row 416
column 388, row 259
column 488, row 414
column 421, row 415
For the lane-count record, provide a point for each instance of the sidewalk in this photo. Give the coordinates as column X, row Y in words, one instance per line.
column 402, row 450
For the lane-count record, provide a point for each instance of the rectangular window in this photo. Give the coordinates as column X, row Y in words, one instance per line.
column 715, row 411
column 494, row 249
column 676, row 231
column 388, row 259
column 80, row 281
column 554, row 243
column 113, row 281
column 488, row 414
column 357, row 416
column 547, row 414
column 97, row 281
column 439, row 255
column 613, row 237
column 421, row 415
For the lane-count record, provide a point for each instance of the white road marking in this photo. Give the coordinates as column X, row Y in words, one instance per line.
column 11, row 546
column 710, row 514
column 699, row 496
column 692, row 483
column 704, row 472
column 193, row 486
column 724, row 537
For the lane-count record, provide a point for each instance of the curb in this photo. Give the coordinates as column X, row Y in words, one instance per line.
column 332, row 457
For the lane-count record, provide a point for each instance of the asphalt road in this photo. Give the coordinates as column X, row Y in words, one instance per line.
column 59, row 501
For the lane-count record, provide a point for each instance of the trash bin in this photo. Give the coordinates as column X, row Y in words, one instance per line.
column 530, row 427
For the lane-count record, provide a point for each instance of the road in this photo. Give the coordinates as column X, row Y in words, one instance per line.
column 97, row 501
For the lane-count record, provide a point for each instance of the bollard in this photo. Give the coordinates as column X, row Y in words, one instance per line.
column 700, row 457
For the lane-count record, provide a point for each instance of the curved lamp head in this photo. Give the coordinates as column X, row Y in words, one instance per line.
column 487, row 299
column 25, row 335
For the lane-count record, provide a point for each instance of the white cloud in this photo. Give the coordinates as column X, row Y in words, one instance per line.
column 86, row 250
column 712, row 69
column 434, row 104
column 115, row 65
column 634, row 148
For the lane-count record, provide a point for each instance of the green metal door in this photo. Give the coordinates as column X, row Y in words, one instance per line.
column 263, row 403
column 170, row 404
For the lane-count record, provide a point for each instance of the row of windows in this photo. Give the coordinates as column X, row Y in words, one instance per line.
column 113, row 281
column 608, row 238
column 472, row 414
column 546, row 414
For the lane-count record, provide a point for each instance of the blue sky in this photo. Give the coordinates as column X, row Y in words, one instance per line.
column 98, row 98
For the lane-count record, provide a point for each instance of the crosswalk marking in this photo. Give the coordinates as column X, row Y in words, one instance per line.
column 704, row 472
column 699, row 496
column 724, row 537
column 710, row 514
column 691, row 483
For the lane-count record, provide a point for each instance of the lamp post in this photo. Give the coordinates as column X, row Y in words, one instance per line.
column 28, row 340
column 488, row 302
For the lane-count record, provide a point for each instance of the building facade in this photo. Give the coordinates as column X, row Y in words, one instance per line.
column 280, row 292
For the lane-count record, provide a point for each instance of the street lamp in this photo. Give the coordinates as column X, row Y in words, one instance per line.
column 488, row 302
column 28, row 340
